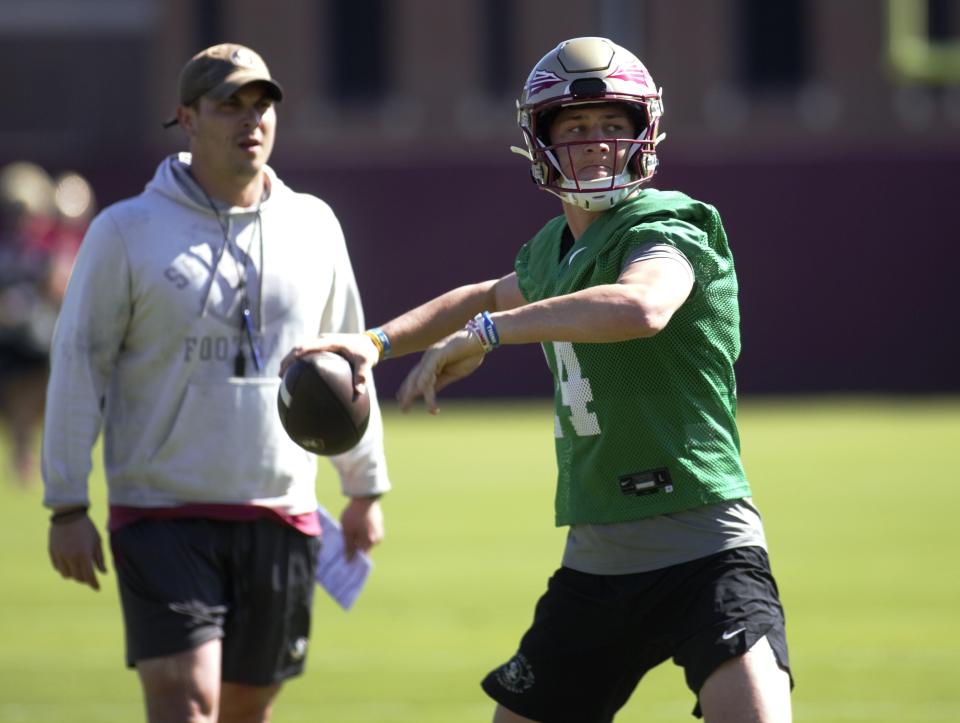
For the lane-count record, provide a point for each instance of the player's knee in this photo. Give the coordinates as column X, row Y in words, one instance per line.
column 246, row 703
column 747, row 689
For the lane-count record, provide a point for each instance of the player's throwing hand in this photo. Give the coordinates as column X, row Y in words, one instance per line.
column 357, row 348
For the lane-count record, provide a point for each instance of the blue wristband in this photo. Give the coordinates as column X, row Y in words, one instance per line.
column 489, row 328
column 383, row 339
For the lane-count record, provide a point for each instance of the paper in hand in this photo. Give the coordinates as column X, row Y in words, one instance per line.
column 343, row 579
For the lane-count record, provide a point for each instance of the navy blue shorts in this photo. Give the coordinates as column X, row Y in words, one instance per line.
column 184, row 582
column 594, row 636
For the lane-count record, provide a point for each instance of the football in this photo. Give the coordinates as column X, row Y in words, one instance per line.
column 317, row 404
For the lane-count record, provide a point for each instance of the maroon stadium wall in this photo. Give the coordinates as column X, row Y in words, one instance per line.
column 848, row 265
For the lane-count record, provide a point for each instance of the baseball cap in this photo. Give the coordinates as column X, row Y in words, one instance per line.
column 220, row 71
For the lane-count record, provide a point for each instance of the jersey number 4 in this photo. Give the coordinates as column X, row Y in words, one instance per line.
column 575, row 392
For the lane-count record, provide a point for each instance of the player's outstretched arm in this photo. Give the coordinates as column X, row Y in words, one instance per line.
column 416, row 329
column 639, row 304
column 428, row 323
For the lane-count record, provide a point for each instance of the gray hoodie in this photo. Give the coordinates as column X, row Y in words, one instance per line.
column 147, row 337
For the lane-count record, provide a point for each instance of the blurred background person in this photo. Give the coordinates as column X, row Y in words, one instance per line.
column 42, row 220
column 76, row 205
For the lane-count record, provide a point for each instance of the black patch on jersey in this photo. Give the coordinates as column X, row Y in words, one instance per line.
column 647, row 482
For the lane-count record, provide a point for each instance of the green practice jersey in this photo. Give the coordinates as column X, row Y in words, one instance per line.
column 646, row 426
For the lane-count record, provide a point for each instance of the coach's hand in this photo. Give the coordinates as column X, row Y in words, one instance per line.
column 75, row 550
column 362, row 523
column 358, row 349
column 450, row 359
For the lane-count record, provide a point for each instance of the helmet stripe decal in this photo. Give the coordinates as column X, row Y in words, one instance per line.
column 632, row 73
column 541, row 80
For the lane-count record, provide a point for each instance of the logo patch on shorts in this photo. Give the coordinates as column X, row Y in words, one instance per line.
column 732, row 633
column 516, row 675
column 298, row 649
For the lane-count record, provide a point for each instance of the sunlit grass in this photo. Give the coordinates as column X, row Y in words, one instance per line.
column 859, row 498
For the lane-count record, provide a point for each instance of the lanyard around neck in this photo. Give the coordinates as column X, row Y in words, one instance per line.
column 246, row 317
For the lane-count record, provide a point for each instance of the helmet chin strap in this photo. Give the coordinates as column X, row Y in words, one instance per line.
column 599, row 185
column 602, row 199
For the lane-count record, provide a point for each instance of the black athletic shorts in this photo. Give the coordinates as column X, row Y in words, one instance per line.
column 594, row 636
column 184, row 582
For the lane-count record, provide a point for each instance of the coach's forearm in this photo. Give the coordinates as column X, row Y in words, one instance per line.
column 428, row 323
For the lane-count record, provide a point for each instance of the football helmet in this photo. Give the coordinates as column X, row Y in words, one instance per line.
column 585, row 71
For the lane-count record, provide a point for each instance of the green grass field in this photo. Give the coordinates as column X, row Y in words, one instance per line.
column 860, row 498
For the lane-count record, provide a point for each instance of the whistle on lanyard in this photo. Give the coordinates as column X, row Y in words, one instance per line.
column 240, row 360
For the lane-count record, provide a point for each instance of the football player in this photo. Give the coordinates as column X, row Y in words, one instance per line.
column 632, row 293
